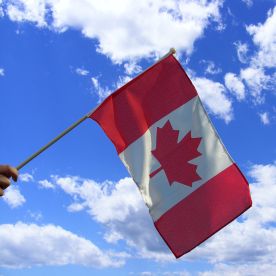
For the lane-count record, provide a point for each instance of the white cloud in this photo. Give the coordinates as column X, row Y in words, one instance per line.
column 264, row 36
column 26, row 177
column 147, row 273
column 1, row 9
column 132, row 68
column 264, row 118
column 28, row 10
column 176, row 273
column 13, row 197
column 28, row 245
column 46, row 184
column 104, row 91
column 2, row 71
column 125, row 29
column 82, row 72
column 242, row 50
column 257, row 81
column 37, row 216
column 214, row 97
column 240, row 243
column 211, row 67
column 249, row 3
column 255, row 76
column 264, row 201
column 122, row 80
column 119, row 207
column 234, row 85
column 75, row 207
column 165, row 273
column 101, row 92
column 104, row 203
column 252, row 269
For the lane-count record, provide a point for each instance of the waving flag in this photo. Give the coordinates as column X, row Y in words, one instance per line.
column 164, row 137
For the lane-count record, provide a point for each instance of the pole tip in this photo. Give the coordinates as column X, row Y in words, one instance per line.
column 173, row 51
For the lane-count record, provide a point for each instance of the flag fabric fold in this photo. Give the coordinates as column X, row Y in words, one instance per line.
column 164, row 137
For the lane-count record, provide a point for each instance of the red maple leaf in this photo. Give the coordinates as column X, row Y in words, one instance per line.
column 174, row 156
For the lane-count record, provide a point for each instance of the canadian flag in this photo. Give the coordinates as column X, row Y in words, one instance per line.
column 164, row 137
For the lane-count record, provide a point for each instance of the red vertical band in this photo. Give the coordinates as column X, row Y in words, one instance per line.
column 130, row 111
column 204, row 212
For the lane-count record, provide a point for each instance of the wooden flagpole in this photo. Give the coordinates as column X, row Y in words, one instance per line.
column 51, row 142
column 20, row 166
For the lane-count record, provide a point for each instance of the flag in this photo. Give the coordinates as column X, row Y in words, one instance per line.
column 164, row 137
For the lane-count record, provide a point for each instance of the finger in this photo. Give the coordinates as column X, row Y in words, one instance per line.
column 4, row 182
column 9, row 171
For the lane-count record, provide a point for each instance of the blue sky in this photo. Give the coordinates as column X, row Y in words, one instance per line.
column 74, row 210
